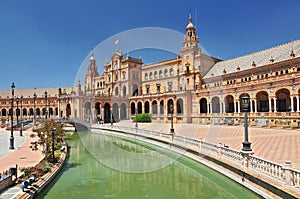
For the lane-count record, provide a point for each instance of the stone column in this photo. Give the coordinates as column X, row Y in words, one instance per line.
column 224, row 110
column 102, row 112
column 292, row 103
column 143, row 107
column 220, row 107
column 158, row 109
column 150, row 108
column 239, row 106
column 210, row 107
column 251, row 107
column 127, row 113
column 270, row 105
column 234, row 104
column 275, row 104
column 255, row 105
column 119, row 109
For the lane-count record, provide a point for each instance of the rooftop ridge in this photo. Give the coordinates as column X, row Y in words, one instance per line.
column 264, row 50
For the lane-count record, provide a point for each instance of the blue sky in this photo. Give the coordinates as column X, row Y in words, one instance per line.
column 43, row 43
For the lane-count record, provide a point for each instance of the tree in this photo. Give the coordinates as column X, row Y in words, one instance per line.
column 44, row 134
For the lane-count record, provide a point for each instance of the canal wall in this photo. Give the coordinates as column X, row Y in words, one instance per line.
column 45, row 179
column 241, row 174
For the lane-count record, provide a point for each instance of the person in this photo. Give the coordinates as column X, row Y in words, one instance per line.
column 101, row 120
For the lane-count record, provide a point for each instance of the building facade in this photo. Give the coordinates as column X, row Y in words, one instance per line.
column 201, row 89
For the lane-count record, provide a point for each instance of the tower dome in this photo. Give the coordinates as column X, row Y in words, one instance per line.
column 190, row 24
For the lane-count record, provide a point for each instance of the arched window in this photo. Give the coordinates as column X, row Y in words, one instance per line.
column 166, row 72
column 124, row 91
column 171, row 72
column 179, row 106
column 151, row 75
column 154, row 107
column 155, row 74
column 160, row 74
column 146, row 76
column 117, row 91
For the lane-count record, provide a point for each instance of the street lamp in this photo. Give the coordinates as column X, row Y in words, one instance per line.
column 21, row 126
column 136, row 121
column 34, row 111
column 46, row 113
column 17, row 114
column 12, row 117
column 53, row 130
column 245, row 106
column 111, row 116
column 172, row 129
column 49, row 108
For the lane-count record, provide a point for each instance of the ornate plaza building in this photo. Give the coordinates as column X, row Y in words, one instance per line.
column 201, row 88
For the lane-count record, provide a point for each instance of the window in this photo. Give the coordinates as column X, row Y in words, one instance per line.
column 171, row 72
column 155, row 74
column 146, row 76
column 170, row 86
column 160, row 74
column 147, row 89
column 158, row 87
column 166, row 73
column 150, row 76
column 286, row 71
column 124, row 75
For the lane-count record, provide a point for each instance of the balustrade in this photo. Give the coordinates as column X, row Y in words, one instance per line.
column 282, row 173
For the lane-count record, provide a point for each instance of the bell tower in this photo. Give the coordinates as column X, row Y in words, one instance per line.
column 91, row 73
column 190, row 43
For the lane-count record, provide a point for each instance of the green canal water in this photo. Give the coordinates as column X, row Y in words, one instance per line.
column 84, row 176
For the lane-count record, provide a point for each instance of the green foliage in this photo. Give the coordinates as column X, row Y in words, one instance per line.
column 144, row 117
column 44, row 134
column 3, row 120
column 37, row 171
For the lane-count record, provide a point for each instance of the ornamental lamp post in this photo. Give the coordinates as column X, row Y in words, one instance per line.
column 46, row 112
column 21, row 125
column 17, row 112
column 53, row 130
column 11, row 139
column 172, row 129
column 136, row 113
column 245, row 105
column 34, row 111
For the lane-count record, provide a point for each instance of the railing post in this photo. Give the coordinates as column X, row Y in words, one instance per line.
column 246, row 158
column 287, row 173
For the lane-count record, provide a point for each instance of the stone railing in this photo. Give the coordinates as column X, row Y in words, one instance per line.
column 6, row 178
column 283, row 174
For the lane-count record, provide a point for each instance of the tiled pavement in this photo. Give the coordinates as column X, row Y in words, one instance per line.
column 22, row 155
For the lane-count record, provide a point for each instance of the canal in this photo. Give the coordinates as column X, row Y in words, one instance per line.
column 88, row 174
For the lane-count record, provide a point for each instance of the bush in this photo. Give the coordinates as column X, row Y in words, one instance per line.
column 144, row 117
column 37, row 171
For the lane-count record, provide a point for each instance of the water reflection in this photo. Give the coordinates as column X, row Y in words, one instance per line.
column 183, row 178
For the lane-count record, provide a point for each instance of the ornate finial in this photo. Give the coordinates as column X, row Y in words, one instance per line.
column 190, row 17
column 224, row 71
column 238, row 68
column 292, row 55
column 253, row 64
column 271, row 60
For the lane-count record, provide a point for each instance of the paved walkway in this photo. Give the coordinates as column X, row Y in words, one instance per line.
column 277, row 145
column 22, row 155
